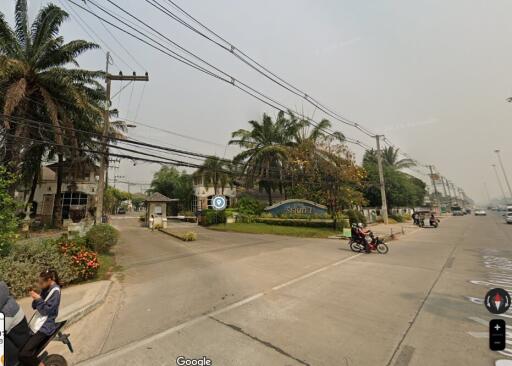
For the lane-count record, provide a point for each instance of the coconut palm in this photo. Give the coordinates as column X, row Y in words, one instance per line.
column 390, row 158
column 36, row 84
column 265, row 150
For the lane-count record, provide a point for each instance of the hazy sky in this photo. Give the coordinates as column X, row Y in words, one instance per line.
column 432, row 75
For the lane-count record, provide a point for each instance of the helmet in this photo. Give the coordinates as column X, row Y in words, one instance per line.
column 360, row 224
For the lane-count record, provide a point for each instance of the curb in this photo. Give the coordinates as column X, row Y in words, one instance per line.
column 89, row 308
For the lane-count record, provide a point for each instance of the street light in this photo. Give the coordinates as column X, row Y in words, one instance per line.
column 503, row 171
column 499, row 181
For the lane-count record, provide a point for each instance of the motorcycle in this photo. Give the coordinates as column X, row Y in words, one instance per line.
column 53, row 359
column 375, row 244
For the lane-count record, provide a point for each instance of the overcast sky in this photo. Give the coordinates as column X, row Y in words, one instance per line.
column 432, row 75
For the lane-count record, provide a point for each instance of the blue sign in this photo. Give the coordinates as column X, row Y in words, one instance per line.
column 219, row 202
column 296, row 207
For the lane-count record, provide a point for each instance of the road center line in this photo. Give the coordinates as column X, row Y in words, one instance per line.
column 111, row 355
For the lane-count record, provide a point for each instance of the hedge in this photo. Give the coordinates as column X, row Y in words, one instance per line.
column 73, row 262
column 212, row 217
column 296, row 222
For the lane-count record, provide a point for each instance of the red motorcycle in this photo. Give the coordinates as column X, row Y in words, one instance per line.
column 375, row 244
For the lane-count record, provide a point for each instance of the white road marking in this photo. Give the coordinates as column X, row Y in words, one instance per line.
column 111, row 355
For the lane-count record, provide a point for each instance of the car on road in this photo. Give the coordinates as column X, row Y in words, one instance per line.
column 508, row 218
column 121, row 211
column 480, row 212
column 457, row 212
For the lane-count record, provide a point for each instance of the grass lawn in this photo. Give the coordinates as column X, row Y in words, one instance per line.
column 257, row 228
column 107, row 266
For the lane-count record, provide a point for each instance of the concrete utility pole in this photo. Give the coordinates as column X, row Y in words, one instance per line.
column 384, row 208
column 499, row 182
column 105, row 135
column 436, row 193
column 449, row 191
column 503, row 171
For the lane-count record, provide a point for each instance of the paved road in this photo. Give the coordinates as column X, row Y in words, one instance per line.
column 264, row 300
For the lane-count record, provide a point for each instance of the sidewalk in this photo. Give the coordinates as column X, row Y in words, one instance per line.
column 77, row 301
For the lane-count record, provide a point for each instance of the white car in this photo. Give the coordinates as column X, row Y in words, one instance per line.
column 480, row 212
column 508, row 218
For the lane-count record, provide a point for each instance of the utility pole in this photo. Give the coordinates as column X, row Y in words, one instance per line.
column 384, row 208
column 436, row 193
column 499, row 182
column 105, row 135
column 449, row 191
column 503, row 171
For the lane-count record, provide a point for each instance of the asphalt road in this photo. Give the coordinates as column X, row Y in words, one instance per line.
column 265, row 300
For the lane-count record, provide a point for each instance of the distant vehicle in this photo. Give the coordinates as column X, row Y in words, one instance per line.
column 468, row 211
column 121, row 211
column 457, row 212
column 480, row 212
column 508, row 218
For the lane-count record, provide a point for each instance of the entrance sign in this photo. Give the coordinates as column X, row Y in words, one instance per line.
column 297, row 207
column 219, row 202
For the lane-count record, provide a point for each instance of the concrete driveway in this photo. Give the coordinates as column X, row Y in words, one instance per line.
column 242, row 299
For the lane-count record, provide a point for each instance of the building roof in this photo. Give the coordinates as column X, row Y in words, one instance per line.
column 158, row 197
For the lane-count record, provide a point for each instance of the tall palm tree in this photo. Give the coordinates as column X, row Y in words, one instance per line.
column 37, row 84
column 265, row 149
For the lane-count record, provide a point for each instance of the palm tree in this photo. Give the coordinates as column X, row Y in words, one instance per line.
column 266, row 145
column 390, row 158
column 215, row 173
column 37, row 85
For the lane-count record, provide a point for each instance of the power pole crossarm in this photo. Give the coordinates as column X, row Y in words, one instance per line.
column 106, row 131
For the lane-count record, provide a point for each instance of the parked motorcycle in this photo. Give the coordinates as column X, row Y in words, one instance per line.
column 375, row 244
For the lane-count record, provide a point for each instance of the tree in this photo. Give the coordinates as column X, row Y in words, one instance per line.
column 265, row 146
column 173, row 184
column 8, row 220
column 401, row 189
column 39, row 87
column 215, row 173
column 390, row 157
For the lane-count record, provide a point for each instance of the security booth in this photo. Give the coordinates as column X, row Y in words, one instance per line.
column 156, row 210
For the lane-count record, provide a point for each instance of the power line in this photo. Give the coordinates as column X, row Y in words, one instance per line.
column 258, row 67
column 232, row 80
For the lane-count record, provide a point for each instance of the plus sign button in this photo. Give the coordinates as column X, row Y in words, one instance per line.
column 497, row 301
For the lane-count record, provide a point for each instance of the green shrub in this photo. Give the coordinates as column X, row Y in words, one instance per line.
column 249, row 206
column 246, row 219
column 407, row 216
column 230, row 212
column 101, row 238
column 212, row 217
column 355, row 216
column 21, row 268
column 397, row 218
column 73, row 262
column 296, row 222
column 189, row 236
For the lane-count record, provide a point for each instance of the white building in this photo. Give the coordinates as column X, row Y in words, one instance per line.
column 77, row 190
column 203, row 194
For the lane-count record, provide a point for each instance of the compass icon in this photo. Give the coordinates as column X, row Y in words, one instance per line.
column 497, row 301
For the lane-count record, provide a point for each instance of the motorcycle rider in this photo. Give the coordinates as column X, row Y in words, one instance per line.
column 415, row 218
column 433, row 220
column 361, row 236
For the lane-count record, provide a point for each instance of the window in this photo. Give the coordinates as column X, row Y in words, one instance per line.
column 72, row 199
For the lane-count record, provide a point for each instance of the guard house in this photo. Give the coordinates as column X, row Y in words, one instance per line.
column 156, row 205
